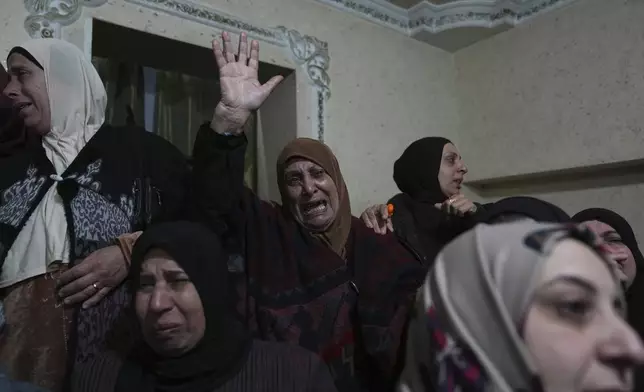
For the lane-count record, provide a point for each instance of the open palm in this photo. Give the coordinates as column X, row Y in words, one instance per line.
column 241, row 91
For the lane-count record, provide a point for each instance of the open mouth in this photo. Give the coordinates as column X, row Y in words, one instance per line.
column 21, row 106
column 314, row 207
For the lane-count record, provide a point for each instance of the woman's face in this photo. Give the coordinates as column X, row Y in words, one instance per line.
column 27, row 91
column 452, row 171
column 312, row 195
column 616, row 249
column 168, row 306
column 575, row 328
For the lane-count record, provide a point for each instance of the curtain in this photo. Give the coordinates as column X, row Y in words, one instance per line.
column 180, row 103
column 125, row 91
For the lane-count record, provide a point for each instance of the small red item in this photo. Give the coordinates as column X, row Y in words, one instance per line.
column 390, row 209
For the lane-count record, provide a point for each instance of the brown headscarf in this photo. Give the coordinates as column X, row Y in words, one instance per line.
column 335, row 237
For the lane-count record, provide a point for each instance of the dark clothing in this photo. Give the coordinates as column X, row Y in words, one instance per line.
column 123, row 179
column 271, row 367
column 6, row 385
column 525, row 207
column 424, row 229
column 222, row 351
column 295, row 289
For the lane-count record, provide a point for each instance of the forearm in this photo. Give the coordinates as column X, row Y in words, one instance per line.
column 217, row 174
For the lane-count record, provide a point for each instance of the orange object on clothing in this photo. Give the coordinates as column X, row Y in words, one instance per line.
column 390, row 209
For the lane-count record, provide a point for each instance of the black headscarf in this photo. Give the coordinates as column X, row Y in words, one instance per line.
column 531, row 207
column 416, row 171
column 625, row 231
column 224, row 348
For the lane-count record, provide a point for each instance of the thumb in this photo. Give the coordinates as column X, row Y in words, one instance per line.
column 269, row 86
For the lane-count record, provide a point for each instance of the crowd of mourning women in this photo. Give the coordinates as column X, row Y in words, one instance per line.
column 126, row 269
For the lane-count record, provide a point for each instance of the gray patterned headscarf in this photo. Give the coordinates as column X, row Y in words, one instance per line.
column 465, row 333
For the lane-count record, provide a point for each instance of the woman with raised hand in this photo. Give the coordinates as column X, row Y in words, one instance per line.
column 315, row 275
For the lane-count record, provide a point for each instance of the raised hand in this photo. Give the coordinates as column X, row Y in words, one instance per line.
column 241, row 91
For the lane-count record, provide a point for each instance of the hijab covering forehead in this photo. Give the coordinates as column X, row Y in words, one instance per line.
column 531, row 207
column 225, row 345
column 473, row 304
column 335, row 237
column 416, row 171
column 77, row 98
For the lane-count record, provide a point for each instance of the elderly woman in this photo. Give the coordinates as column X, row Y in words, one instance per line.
column 315, row 275
column 64, row 202
column 521, row 307
column 191, row 340
column 517, row 208
column 431, row 210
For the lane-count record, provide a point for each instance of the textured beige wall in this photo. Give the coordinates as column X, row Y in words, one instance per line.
column 387, row 90
column 565, row 90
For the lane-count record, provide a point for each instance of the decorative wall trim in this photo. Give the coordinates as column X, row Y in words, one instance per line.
column 47, row 17
column 436, row 18
column 310, row 53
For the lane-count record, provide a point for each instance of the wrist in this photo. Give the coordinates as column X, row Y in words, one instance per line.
column 228, row 121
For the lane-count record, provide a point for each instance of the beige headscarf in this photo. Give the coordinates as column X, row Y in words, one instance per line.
column 335, row 237
column 77, row 101
column 470, row 310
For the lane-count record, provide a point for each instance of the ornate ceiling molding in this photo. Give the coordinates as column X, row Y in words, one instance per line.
column 434, row 18
column 47, row 17
column 310, row 53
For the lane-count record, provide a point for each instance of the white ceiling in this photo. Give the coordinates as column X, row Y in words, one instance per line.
column 448, row 24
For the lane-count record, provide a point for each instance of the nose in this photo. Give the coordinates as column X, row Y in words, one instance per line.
column 11, row 89
column 462, row 167
column 623, row 349
column 160, row 300
column 308, row 186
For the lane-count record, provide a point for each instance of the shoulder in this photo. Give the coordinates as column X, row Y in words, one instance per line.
column 285, row 354
column 98, row 374
column 132, row 134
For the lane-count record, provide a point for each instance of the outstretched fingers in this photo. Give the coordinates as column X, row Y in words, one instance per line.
column 228, row 47
column 243, row 48
column 219, row 54
column 254, row 55
column 271, row 84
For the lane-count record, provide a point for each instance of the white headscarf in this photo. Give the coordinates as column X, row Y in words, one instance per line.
column 77, row 101
column 469, row 311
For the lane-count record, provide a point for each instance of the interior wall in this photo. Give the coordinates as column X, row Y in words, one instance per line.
column 565, row 90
